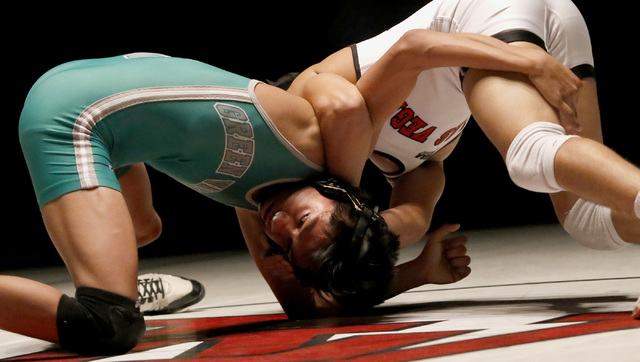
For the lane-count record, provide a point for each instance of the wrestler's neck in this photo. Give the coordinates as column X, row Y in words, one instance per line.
column 295, row 119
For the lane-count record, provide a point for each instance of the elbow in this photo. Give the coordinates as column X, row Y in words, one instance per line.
column 415, row 42
column 419, row 48
column 340, row 103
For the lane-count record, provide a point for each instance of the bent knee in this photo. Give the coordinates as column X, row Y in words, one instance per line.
column 149, row 232
column 98, row 322
column 530, row 158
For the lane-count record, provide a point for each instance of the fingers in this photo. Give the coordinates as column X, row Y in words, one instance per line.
column 460, row 261
column 460, row 266
column 458, row 258
column 560, row 87
column 461, row 272
column 456, row 253
column 569, row 104
column 568, row 114
column 457, row 250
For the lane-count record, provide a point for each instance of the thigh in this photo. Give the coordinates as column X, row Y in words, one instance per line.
column 503, row 104
column 93, row 232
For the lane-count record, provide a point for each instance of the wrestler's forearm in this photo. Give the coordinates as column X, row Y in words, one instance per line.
column 345, row 124
column 407, row 276
column 423, row 49
column 392, row 78
column 443, row 260
column 413, row 200
column 430, row 49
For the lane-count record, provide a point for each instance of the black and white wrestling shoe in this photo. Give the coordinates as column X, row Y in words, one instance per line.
column 164, row 294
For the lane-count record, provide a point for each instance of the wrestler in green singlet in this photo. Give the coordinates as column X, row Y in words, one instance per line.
column 87, row 121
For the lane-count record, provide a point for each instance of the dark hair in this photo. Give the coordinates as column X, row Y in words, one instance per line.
column 355, row 270
column 284, row 82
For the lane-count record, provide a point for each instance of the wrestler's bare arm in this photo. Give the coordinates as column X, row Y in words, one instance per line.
column 443, row 260
column 345, row 124
column 421, row 49
column 413, row 199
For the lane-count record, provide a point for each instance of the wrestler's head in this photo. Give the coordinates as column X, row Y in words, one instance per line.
column 334, row 239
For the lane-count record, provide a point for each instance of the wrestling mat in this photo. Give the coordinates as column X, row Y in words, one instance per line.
column 533, row 295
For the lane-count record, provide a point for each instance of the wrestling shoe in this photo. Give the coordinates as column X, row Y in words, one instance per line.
column 163, row 293
column 636, row 311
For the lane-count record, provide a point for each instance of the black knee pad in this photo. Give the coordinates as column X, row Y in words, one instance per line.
column 99, row 323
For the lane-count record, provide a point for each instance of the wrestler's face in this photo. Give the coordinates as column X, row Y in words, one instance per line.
column 295, row 220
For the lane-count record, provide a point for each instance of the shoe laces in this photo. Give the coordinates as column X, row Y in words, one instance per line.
column 151, row 291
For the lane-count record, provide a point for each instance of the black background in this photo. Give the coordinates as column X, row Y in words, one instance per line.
column 264, row 41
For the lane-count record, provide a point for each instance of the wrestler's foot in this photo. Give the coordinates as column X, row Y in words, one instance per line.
column 163, row 294
column 636, row 311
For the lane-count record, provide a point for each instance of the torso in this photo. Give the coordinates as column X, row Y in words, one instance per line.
column 436, row 112
column 200, row 125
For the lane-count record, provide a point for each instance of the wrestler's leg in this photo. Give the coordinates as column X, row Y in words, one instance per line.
column 92, row 231
column 136, row 189
column 626, row 225
column 29, row 308
column 589, row 118
column 94, row 235
column 505, row 103
column 176, row 292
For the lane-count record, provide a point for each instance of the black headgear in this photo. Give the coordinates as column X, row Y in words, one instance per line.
column 339, row 191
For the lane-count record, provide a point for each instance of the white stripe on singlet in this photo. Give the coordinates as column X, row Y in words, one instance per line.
column 101, row 109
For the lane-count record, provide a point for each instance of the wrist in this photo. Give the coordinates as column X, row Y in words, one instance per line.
column 412, row 274
column 536, row 61
column 540, row 63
